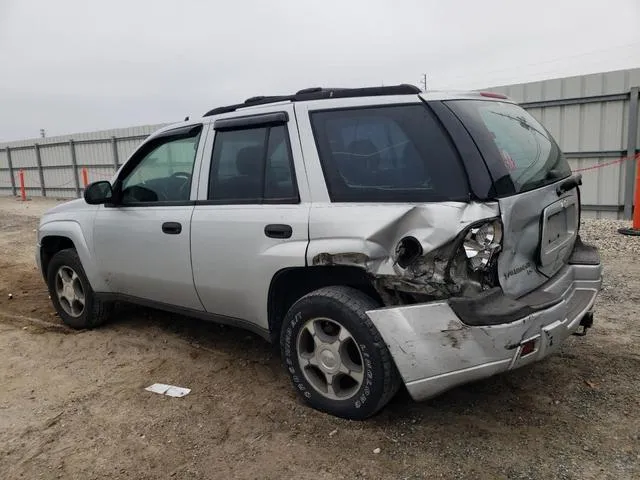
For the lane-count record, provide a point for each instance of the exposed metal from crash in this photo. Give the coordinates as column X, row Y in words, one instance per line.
column 418, row 254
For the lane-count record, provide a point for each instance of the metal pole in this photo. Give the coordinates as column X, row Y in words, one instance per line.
column 114, row 150
column 43, row 190
column 629, row 178
column 74, row 166
column 424, row 82
column 13, row 180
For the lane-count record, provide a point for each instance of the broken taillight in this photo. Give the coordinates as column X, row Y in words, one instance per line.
column 527, row 348
column 481, row 242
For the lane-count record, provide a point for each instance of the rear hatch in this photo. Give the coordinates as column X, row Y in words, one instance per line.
column 538, row 197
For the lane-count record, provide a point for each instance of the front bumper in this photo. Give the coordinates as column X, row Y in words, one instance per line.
column 434, row 350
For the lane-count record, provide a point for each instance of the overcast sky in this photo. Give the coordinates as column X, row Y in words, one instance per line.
column 79, row 65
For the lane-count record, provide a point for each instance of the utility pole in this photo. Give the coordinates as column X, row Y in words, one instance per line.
column 423, row 81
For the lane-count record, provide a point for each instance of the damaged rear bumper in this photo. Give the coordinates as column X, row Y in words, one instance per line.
column 434, row 350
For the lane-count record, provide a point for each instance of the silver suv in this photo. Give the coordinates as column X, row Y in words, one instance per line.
column 380, row 236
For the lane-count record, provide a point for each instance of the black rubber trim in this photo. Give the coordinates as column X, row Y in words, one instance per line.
column 584, row 254
column 251, row 121
column 164, row 137
column 161, row 203
column 187, row 131
column 480, row 181
column 493, row 307
column 629, row 231
column 318, row 93
column 570, row 183
column 187, row 312
column 250, row 201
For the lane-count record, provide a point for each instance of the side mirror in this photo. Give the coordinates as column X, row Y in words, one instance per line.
column 98, row 193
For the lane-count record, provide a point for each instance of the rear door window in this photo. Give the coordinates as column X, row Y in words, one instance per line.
column 252, row 165
column 387, row 154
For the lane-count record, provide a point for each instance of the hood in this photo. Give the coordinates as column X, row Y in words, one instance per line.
column 74, row 205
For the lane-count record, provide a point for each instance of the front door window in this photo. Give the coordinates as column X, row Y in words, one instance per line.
column 164, row 173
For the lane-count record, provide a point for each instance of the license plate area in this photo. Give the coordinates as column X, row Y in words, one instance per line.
column 558, row 233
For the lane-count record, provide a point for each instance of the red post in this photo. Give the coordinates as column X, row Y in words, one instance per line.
column 23, row 191
column 635, row 228
column 636, row 201
column 85, row 177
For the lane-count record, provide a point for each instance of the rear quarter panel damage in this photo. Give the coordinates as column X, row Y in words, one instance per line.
column 367, row 235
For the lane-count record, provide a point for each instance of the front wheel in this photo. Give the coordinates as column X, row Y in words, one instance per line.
column 71, row 293
column 335, row 356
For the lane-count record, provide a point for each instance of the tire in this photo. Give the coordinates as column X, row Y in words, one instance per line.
column 310, row 353
column 94, row 312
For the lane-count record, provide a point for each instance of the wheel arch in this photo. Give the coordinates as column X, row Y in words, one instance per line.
column 290, row 284
column 58, row 235
column 49, row 246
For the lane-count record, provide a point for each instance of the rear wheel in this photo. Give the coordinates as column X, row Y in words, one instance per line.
column 335, row 355
column 71, row 293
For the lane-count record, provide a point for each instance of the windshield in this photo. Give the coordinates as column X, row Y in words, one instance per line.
column 513, row 143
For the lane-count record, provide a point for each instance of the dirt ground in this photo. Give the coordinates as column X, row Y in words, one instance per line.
column 73, row 404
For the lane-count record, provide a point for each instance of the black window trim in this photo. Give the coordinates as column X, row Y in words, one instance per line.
column 251, row 121
column 480, row 182
column 418, row 101
column 256, row 201
column 167, row 136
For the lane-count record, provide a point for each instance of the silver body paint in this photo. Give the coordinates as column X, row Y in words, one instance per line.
column 222, row 263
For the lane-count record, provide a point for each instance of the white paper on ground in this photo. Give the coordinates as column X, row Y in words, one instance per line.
column 170, row 390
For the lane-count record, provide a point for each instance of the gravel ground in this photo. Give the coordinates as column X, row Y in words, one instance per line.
column 73, row 404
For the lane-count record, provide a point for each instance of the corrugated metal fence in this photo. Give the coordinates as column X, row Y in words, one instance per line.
column 52, row 166
column 593, row 117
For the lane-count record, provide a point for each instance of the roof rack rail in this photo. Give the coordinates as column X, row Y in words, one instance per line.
column 318, row 93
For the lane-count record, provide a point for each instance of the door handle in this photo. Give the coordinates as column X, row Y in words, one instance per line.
column 171, row 228
column 277, row 230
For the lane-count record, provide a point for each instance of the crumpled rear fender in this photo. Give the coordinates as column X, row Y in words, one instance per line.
column 367, row 236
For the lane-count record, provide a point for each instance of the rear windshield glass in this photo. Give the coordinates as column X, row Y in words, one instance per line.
column 387, row 154
column 513, row 143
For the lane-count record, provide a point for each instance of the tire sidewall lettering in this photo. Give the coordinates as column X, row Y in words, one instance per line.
column 359, row 400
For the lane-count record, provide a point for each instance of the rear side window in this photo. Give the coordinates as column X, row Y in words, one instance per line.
column 387, row 154
column 514, row 144
column 252, row 166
